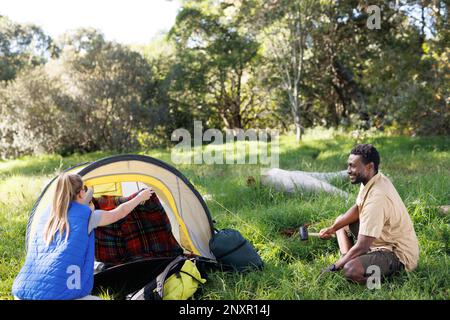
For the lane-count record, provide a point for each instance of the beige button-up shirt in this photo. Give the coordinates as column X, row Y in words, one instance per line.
column 383, row 216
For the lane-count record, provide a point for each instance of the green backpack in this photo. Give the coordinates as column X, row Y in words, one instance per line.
column 234, row 252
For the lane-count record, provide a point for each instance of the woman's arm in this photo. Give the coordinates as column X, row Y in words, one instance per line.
column 108, row 217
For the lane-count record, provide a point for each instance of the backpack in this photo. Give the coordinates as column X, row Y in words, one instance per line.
column 179, row 281
column 233, row 251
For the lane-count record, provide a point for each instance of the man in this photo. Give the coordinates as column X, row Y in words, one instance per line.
column 379, row 222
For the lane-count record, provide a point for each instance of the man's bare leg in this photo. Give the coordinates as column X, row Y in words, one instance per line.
column 344, row 242
column 342, row 225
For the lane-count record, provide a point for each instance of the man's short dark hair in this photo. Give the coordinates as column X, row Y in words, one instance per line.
column 368, row 154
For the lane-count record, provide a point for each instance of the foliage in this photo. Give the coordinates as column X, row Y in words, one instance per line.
column 217, row 56
column 22, row 46
column 285, row 64
column 95, row 96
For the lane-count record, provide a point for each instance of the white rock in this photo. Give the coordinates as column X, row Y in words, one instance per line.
column 292, row 181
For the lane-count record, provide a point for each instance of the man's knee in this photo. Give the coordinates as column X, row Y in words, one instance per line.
column 354, row 270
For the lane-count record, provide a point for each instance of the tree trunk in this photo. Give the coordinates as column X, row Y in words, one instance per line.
column 298, row 129
column 295, row 113
column 236, row 120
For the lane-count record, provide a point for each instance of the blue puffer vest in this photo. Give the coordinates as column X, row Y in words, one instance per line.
column 63, row 270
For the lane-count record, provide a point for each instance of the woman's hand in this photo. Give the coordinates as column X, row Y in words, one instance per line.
column 145, row 194
column 125, row 208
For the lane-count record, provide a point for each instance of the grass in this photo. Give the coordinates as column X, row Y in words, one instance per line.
column 418, row 167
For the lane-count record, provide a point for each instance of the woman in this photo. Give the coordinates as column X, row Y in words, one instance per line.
column 60, row 260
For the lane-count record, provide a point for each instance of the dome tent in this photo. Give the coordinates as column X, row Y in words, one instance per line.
column 123, row 175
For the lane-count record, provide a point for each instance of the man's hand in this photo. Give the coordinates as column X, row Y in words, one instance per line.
column 361, row 247
column 331, row 268
column 327, row 233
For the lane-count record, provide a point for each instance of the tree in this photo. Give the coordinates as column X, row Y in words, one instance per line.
column 22, row 46
column 112, row 85
column 96, row 96
column 35, row 117
column 211, row 44
column 287, row 30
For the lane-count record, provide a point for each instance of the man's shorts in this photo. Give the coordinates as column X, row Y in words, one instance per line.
column 386, row 260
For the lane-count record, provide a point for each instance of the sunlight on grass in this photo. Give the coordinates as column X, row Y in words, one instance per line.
column 418, row 167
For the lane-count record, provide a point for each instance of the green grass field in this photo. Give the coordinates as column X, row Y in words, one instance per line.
column 418, row 167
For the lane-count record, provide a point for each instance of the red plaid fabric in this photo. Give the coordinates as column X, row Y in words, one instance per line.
column 145, row 232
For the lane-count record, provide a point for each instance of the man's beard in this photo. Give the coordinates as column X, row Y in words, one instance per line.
column 358, row 179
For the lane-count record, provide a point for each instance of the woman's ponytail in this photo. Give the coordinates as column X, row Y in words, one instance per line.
column 67, row 188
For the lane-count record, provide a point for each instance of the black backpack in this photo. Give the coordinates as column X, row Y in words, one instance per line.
column 155, row 289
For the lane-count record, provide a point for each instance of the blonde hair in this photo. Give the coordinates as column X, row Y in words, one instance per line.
column 67, row 188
